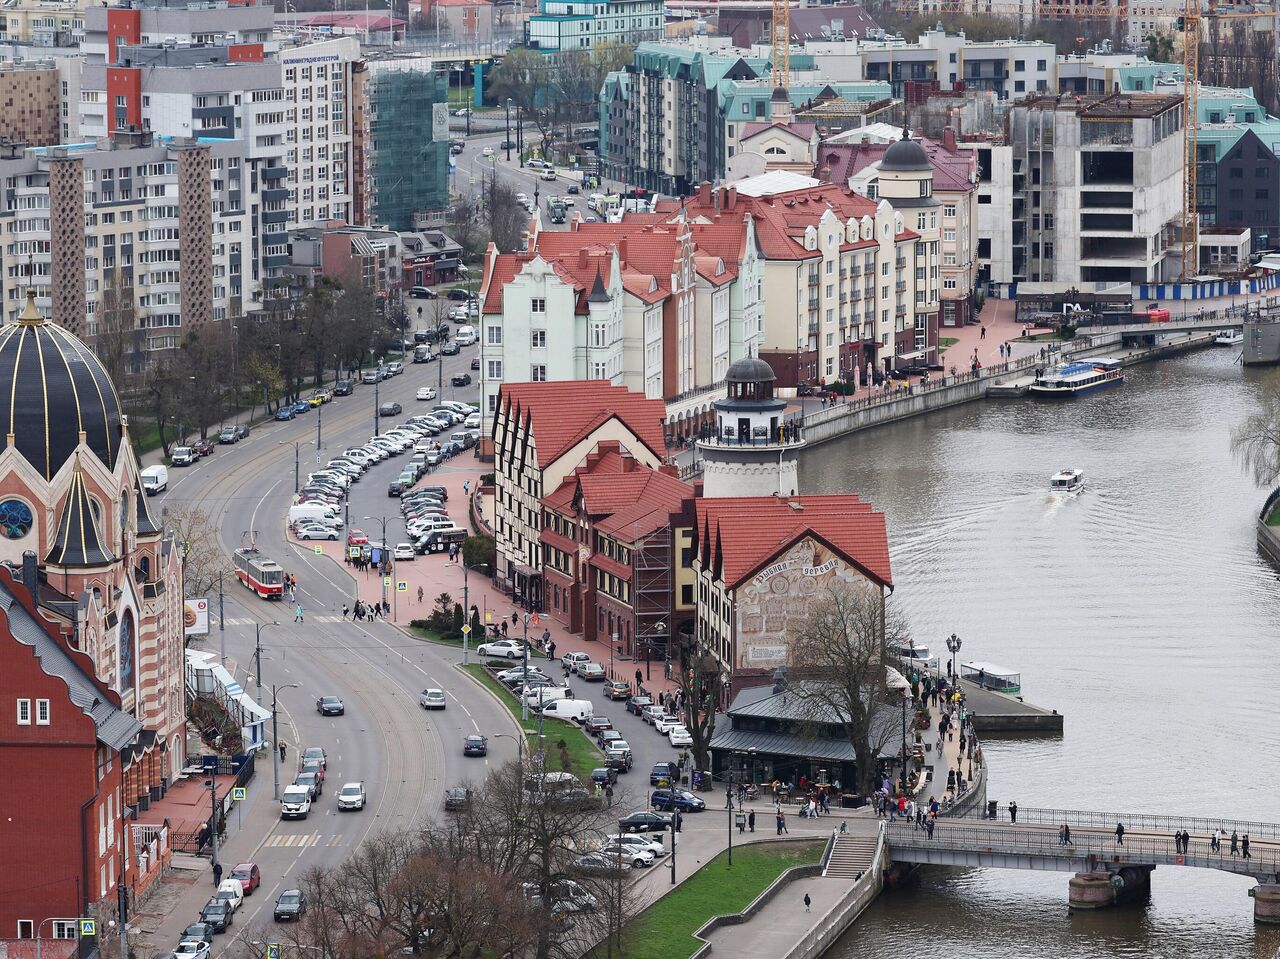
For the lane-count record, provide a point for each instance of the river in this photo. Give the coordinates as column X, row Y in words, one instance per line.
column 1139, row 609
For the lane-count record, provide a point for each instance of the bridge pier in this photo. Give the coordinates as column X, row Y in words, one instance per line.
column 1101, row 888
column 1266, row 903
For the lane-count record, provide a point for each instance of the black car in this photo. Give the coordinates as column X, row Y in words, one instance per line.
column 680, row 799
column 636, row 704
column 507, row 145
column 395, row 488
column 461, row 379
column 606, row 736
column 573, row 188
column 421, row 336
column 461, row 295
column 644, row 821
column 456, row 798
column 475, row 746
column 217, row 914
column 389, row 409
column 330, row 706
column 291, row 905
column 437, row 490
column 475, row 363
column 664, row 774
column 343, row 388
column 242, row 432
column 604, row 775
column 199, row 931
column 451, row 349
column 619, row 759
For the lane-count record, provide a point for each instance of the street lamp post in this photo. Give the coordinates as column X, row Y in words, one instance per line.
column 212, row 783
column 508, row 129
column 257, row 655
column 275, row 735
column 297, row 462
column 383, row 520
column 466, row 605
column 953, row 646
column 376, row 383
column 518, row 740
column 903, row 779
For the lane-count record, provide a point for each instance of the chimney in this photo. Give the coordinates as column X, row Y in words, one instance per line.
column 704, row 193
column 949, row 140
column 31, row 573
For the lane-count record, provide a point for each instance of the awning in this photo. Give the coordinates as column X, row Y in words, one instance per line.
column 798, row 747
column 446, row 263
column 253, row 713
column 911, row 356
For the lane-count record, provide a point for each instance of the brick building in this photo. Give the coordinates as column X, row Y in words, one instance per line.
column 29, row 102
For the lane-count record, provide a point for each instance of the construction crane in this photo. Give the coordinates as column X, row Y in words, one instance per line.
column 1188, row 25
column 780, row 37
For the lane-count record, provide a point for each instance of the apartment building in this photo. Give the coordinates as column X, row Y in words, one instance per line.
column 571, row 25
column 463, row 21
column 1097, row 186
column 850, row 287
column 158, row 221
column 44, row 23
column 1011, row 69
column 29, row 93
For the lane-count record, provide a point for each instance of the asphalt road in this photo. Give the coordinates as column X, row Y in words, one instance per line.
column 473, row 167
column 405, row 756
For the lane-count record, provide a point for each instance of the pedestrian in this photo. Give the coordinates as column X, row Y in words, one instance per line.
column 1235, row 843
column 419, row 595
column 1177, row 842
column 297, row 614
column 807, row 902
column 728, row 797
column 504, row 627
column 608, row 794
column 1244, row 847
column 1062, row 835
column 1119, row 834
column 551, row 650
column 466, row 487
column 928, row 827
column 515, row 619
column 751, row 820
column 546, row 639
column 778, row 821
column 639, row 678
column 1013, row 812
column 217, row 874
column 1215, row 841
column 386, row 608
column 282, row 750
column 1066, row 835
column 678, row 822
column 983, row 334
column 783, row 817
column 345, row 610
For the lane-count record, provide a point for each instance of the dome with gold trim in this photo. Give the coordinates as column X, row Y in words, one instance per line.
column 52, row 389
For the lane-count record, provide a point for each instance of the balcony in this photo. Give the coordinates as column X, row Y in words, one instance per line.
column 900, row 286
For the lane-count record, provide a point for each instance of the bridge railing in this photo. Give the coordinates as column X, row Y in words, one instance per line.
column 1016, row 841
column 1133, row 822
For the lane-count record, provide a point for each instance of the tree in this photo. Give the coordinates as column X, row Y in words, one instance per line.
column 1256, row 441
column 1160, row 47
column 479, row 551
column 701, row 683
column 119, row 340
column 203, row 560
column 837, row 669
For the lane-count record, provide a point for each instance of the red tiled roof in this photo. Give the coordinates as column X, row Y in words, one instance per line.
column 738, row 535
column 952, row 172
column 620, row 570
column 562, row 414
column 562, row 543
column 577, row 271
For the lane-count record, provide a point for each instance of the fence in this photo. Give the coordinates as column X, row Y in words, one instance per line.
column 846, row 911
column 1140, row 822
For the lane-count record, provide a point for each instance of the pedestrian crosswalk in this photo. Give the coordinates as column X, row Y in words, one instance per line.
column 328, row 619
column 239, row 621
column 296, row 841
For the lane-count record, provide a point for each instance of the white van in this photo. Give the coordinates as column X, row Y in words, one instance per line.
column 545, row 695
column 466, row 335
column 155, row 479
column 579, row 710
column 296, row 802
column 312, row 512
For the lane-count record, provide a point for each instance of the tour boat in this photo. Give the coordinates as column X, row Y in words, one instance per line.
column 1076, row 379
column 916, row 653
column 1228, row 338
column 990, row 676
column 1067, row 481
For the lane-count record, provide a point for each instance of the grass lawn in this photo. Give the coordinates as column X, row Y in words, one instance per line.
column 665, row 930
column 583, row 754
column 145, row 436
column 946, row 341
column 1273, row 518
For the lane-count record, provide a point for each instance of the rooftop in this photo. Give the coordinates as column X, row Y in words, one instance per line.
column 1113, row 106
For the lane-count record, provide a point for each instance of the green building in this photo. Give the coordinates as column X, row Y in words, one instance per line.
column 408, row 142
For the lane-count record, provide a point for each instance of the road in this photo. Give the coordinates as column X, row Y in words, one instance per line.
column 472, row 168
column 405, row 757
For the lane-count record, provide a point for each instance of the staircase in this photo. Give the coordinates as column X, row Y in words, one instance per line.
column 851, row 856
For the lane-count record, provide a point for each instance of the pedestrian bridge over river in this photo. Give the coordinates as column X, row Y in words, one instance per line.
column 1105, row 871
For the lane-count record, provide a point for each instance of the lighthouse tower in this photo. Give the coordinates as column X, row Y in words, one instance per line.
column 751, row 450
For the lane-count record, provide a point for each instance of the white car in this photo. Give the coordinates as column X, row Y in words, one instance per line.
column 317, row 531
column 191, row 949
column 403, row 551
column 574, row 660
column 426, row 393
column 665, row 723
column 632, row 840
column 679, row 736
column 432, row 699
column 473, row 421
column 503, row 647
column 464, row 112
column 487, row 152
column 522, row 198
column 351, row 796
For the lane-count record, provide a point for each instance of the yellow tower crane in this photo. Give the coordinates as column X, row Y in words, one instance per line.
column 780, row 34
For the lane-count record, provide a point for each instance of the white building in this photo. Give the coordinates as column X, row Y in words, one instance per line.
column 568, row 25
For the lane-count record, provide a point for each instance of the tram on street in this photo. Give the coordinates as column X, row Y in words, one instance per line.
column 259, row 573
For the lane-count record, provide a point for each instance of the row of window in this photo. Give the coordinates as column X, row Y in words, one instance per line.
column 62, row 928
column 41, row 713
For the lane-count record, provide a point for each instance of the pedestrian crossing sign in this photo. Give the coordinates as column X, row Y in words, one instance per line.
column 273, row 950
column 402, row 586
column 88, row 927
column 318, row 550
column 238, row 794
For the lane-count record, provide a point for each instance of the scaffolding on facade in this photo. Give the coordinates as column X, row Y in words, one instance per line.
column 410, row 162
column 654, row 593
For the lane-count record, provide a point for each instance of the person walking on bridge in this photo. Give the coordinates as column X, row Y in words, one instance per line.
column 1215, row 841
column 1244, row 847
column 1119, row 834
column 1013, row 812
column 1066, row 835
column 1235, row 843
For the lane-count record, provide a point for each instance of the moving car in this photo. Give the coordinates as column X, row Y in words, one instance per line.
column 155, row 479
column 618, row 689
column 456, row 798
column 343, row 388
column 664, row 774
column 432, row 699
column 351, row 796
column 591, row 672
column 310, row 781
column 680, row 799
column 291, row 906
column 509, row 648
column 426, row 393
column 330, row 706
column 249, row 875
column 475, row 746
column 217, row 913
column 232, row 892
column 389, row 409
column 314, row 754
column 644, row 821
column 461, row 379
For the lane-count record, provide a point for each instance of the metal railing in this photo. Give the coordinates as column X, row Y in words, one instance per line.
column 1137, row 822
column 1088, row 847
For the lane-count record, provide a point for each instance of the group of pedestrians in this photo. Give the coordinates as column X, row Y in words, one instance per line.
column 369, row 611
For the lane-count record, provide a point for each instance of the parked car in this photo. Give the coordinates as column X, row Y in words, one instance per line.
column 680, row 799
column 597, row 725
column 461, row 379
column 330, row 706
column 603, row 863
column 291, row 906
column 619, row 757
column 403, row 551
column 458, row 293
column 451, row 348
column 217, row 913
column 203, row 447
column 351, row 796
column 456, row 798
column 284, row 414
column 618, row 689
column 475, row 746
column 249, row 875
column 679, row 737
column 395, row 368
column 302, row 406
column 644, row 821
column 509, row 648
column 422, row 293
column 316, row 531
column 664, row 774
column 343, row 388
column 636, row 704
column 228, row 435
column 475, row 363
column 191, row 949
column 432, row 699
column 232, row 892
column 199, row 931
column 604, row 775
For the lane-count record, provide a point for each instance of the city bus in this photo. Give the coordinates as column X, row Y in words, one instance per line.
column 260, row 574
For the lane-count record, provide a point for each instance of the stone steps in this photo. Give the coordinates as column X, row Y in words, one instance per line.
column 851, row 856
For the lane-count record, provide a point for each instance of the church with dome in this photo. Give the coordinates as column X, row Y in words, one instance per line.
column 91, row 631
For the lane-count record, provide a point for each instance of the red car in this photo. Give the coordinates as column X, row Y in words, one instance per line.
column 203, row 447
column 357, row 537
column 247, row 873
column 475, row 364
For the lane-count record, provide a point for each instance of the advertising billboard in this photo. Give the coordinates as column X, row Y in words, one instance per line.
column 195, row 616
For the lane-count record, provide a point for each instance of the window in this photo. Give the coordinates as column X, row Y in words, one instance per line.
column 949, row 210
column 538, row 373
column 494, row 335
column 26, row 928
column 538, row 339
column 1019, row 86
column 538, row 305
column 948, row 284
column 1042, row 65
column 1261, row 194
column 1236, row 173
column 42, row 712
column 64, row 928
column 24, row 712
column 495, row 370
column 1019, row 65
column 949, row 235
column 1260, row 173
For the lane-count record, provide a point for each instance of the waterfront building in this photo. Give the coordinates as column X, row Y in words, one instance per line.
column 93, row 716
column 541, row 433
column 760, row 562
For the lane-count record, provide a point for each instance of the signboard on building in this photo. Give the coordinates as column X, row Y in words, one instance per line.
column 439, row 122
column 195, row 617
column 775, row 603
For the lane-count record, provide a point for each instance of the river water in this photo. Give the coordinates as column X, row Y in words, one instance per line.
column 1139, row 609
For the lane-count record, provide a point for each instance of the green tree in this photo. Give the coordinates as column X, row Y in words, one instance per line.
column 1160, row 47
column 479, row 551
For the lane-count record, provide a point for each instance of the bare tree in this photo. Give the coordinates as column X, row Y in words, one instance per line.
column 701, row 684
column 837, row 668
column 203, row 558
column 1256, row 441
column 119, row 340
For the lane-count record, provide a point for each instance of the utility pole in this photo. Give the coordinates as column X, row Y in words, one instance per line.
column 213, row 813
column 525, row 698
column 222, row 623
column 376, row 383
column 257, row 656
column 275, row 737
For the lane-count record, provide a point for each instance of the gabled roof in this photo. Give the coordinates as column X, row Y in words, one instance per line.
column 562, row 414
column 952, row 172
column 78, row 541
column 115, row 728
column 737, row 535
column 146, row 525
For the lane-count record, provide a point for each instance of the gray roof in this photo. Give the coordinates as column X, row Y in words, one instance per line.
column 760, row 702
column 146, row 525
column 805, row 747
column 906, row 156
column 750, row 369
column 78, row 543
column 116, row 728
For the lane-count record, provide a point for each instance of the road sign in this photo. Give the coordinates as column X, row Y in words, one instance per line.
column 318, row 550
column 88, row 927
column 386, row 581
column 488, row 616
column 238, row 794
column 466, row 629
column 402, row 586
column 273, row 950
